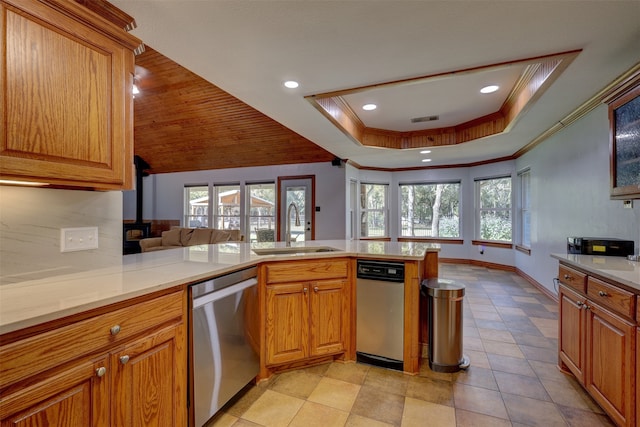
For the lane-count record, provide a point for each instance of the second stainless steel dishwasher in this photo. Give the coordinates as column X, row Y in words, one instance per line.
column 224, row 340
column 380, row 313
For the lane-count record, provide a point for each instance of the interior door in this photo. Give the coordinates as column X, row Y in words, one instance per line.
column 297, row 193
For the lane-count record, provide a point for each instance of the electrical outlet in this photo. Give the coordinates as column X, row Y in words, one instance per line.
column 627, row 204
column 78, row 239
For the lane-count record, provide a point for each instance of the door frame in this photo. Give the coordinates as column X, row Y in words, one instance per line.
column 281, row 214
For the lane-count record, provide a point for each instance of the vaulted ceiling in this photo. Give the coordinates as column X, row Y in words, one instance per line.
column 414, row 59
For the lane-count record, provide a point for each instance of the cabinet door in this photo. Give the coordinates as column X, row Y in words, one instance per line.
column 287, row 318
column 328, row 317
column 67, row 102
column 149, row 378
column 611, row 363
column 572, row 336
column 77, row 395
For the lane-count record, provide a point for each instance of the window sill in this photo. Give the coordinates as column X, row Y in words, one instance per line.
column 431, row 240
column 492, row 244
column 523, row 249
column 380, row 239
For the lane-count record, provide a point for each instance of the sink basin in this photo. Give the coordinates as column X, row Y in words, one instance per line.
column 294, row 250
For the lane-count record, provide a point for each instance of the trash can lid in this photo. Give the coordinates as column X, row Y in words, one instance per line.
column 443, row 288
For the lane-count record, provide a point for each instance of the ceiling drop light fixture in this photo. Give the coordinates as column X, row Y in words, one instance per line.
column 369, row 107
column 291, row 84
column 425, row 151
column 489, row 89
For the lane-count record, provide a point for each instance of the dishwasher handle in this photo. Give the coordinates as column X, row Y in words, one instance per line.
column 225, row 292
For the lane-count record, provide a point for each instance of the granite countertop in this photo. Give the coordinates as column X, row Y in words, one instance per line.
column 617, row 269
column 33, row 302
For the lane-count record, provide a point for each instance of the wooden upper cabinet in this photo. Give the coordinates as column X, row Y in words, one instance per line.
column 67, row 107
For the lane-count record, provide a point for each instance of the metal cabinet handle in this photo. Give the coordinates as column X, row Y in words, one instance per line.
column 580, row 303
column 101, row 371
column 567, row 277
column 124, row 359
column 587, row 307
column 603, row 294
column 304, row 290
column 315, row 289
column 115, row 330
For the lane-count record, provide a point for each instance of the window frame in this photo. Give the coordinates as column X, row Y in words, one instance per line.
column 384, row 211
column 479, row 210
column 436, row 238
column 217, row 216
column 524, row 211
column 186, row 218
column 248, row 216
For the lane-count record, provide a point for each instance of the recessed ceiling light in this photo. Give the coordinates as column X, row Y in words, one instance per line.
column 369, row 107
column 425, row 151
column 291, row 84
column 426, row 160
column 489, row 89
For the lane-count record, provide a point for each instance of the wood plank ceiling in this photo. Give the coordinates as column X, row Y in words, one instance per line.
column 184, row 123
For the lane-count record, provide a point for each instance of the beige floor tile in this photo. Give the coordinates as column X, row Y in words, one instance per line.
column 475, row 376
column 552, row 307
column 532, row 411
column 477, row 358
column 273, row 409
column 435, row 391
column 222, row 419
column 567, row 392
column 531, row 300
column 387, row 380
column 547, row 327
column 425, row 371
column 337, row 394
column 482, row 308
column 360, row 421
column 477, row 399
column 473, row 343
column 485, row 315
column 496, row 335
column 479, row 300
column 473, row 419
column 521, row 385
column 502, row 348
column 299, row 383
column 315, row 415
column 513, row 365
column 416, row 412
column 579, row 418
column 241, row 403
column 379, row 405
column 511, row 311
column 351, row 372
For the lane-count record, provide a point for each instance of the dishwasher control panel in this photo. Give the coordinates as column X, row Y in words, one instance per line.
column 381, row 270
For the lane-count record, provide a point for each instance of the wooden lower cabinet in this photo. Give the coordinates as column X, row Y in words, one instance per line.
column 572, row 336
column 599, row 345
column 611, row 363
column 305, row 319
column 133, row 380
column 637, row 373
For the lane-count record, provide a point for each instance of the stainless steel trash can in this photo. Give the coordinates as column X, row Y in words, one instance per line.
column 445, row 324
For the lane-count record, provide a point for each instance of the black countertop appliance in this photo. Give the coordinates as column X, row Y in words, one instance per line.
column 599, row 246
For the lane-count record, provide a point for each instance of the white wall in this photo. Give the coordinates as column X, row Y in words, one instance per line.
column 30, row 223
column 570, row 195
column 163, row 193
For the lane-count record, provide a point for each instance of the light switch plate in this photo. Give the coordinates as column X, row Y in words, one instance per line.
column 78, row 239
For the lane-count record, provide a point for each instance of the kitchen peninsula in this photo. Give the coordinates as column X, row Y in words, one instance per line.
column 96, row 333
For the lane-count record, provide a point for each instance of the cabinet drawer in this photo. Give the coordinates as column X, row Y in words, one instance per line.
column 572, row 278
column 35, row 354
column 610, row 296
column 306, row 270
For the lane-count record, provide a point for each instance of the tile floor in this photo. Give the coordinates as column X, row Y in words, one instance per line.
column 510, row 335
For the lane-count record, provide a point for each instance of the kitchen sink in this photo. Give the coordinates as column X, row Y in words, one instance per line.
column 294, row 250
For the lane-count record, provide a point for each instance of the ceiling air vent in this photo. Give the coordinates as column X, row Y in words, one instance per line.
column 425, row 119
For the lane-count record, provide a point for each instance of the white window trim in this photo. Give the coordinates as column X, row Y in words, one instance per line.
column 522, row 208
column 450, row 181
column 478, row 210
column 385, row 209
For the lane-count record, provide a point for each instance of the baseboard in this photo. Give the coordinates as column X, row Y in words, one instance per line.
column 533, row 282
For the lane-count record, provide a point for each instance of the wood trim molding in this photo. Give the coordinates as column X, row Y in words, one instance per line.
column 523, row 249
column 492, row 244
column 431, row 240
column 376, row 239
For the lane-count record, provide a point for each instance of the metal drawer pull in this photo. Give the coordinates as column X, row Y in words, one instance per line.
column 603, row 294
column 580, row 303
column 587, row 307
column 305, row 290
column 567, row 277
column 115, row 330
column 315, row 289
column 101, row 371
column 124, row 359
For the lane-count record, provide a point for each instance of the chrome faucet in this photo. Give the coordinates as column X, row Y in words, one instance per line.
column 288, row 228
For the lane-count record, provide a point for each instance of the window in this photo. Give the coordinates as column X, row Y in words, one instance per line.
column 261, row 212
column 493, row 209
column 525, row 208
column 196, row 206
column 227, row 206
column 430, row 210
column 373, row 210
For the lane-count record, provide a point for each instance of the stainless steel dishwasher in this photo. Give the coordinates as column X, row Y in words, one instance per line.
column 380, row 313
column 224, row 340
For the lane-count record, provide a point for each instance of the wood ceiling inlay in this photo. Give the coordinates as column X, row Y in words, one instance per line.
column 537, row 75
column 184, row 123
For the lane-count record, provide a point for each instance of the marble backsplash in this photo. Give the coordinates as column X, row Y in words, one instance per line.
column 30, row 223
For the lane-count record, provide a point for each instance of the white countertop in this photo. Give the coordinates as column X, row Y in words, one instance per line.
column 617, row 269
column 33, row 302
